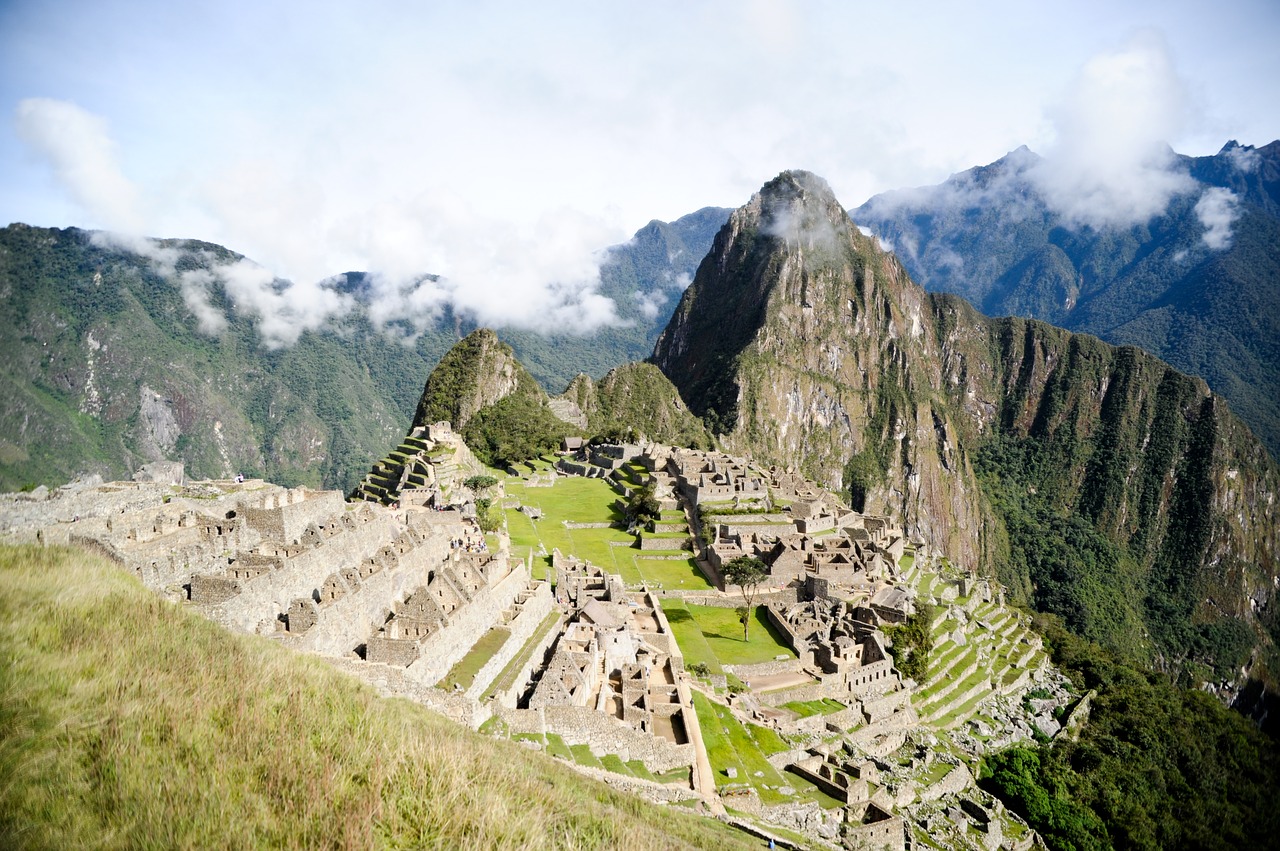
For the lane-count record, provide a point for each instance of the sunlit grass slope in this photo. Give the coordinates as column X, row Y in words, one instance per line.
column 126, row 721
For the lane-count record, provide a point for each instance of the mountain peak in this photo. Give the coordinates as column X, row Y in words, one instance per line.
column 798, row 206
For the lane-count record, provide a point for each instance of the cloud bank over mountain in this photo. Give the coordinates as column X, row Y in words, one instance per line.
column 502, row 146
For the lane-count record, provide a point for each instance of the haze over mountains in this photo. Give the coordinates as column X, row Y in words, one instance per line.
column 1192, row 277
column 799, row 341
column 117, row 354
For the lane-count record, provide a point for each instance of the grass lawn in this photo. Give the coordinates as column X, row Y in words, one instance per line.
column 693, row 644
column 581, row 500
column 572, row 498
column 723, row 634
column 731, row 745
column 666, row 572
column 464, row 673
column 806, row 708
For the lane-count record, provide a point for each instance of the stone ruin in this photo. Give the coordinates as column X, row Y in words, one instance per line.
column 614, row 679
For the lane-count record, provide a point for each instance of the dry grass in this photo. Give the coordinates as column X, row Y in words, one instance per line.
column 128, row 722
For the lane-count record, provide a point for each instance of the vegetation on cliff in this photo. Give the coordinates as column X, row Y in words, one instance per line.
column 513, row 429
column 478, row 371
column 127, row 722
column 1156, row 766
column 1096, row 481
column 990, row 235
column 637, row 397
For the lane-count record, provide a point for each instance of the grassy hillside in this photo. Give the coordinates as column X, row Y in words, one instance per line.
column 128, row 722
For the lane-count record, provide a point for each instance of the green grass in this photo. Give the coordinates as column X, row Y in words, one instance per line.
column 806, row 708
column 506, row 679
column 127, row 721
column 730, row 744
column 767, row 740
column 722, row 635
column 667, row 573
column 580, row 500
column 693, row 644
column 464, row 672
column 583, row 756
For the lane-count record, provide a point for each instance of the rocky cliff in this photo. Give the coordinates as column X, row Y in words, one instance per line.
column 803, row 344
column 997, row 440
column 480, row 370
column 1195, row 289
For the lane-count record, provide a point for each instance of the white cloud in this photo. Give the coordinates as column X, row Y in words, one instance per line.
column 1218, row 210
column 79, row 149
column 1111, row 164
column 650, row 303
column 542, row 275
column 1245, row 159
column 196, row 285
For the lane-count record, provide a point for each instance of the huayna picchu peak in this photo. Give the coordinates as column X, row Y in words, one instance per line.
column 803, row 343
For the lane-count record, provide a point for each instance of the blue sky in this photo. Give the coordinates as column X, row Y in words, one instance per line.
column 501, row 144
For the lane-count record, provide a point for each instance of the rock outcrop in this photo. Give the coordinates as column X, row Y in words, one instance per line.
column 477, row 372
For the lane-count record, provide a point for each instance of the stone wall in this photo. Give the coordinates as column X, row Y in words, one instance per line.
column 262, row 599
column 814, row 691
column 602, row 733
column 441, row 650
column 348, row 620
column 956, row 780
column 732, row 599
column 537, row 605
column 510, row 698
column 285, row 516
column 765, row 669
column 650, row 541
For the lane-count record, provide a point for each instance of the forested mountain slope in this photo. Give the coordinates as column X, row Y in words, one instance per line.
column 1097, row 481
column 1197, row 285
column 106, row 367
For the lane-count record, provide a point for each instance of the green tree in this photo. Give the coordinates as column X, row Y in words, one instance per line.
column 913, row 642
column 481, row 483
column 747, row 572
column 512, row 430
column 643, row 504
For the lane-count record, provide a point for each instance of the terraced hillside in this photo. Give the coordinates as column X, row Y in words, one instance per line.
column 989, row 682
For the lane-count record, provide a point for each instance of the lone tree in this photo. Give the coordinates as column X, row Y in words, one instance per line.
column 488, row 518
column 480, row 483
column 747, row 572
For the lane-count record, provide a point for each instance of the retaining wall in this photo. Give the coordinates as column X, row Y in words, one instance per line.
column 534, row 610
column 441, row 650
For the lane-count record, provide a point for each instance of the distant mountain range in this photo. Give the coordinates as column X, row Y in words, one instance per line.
column 1197, row 285
column 104, row 367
